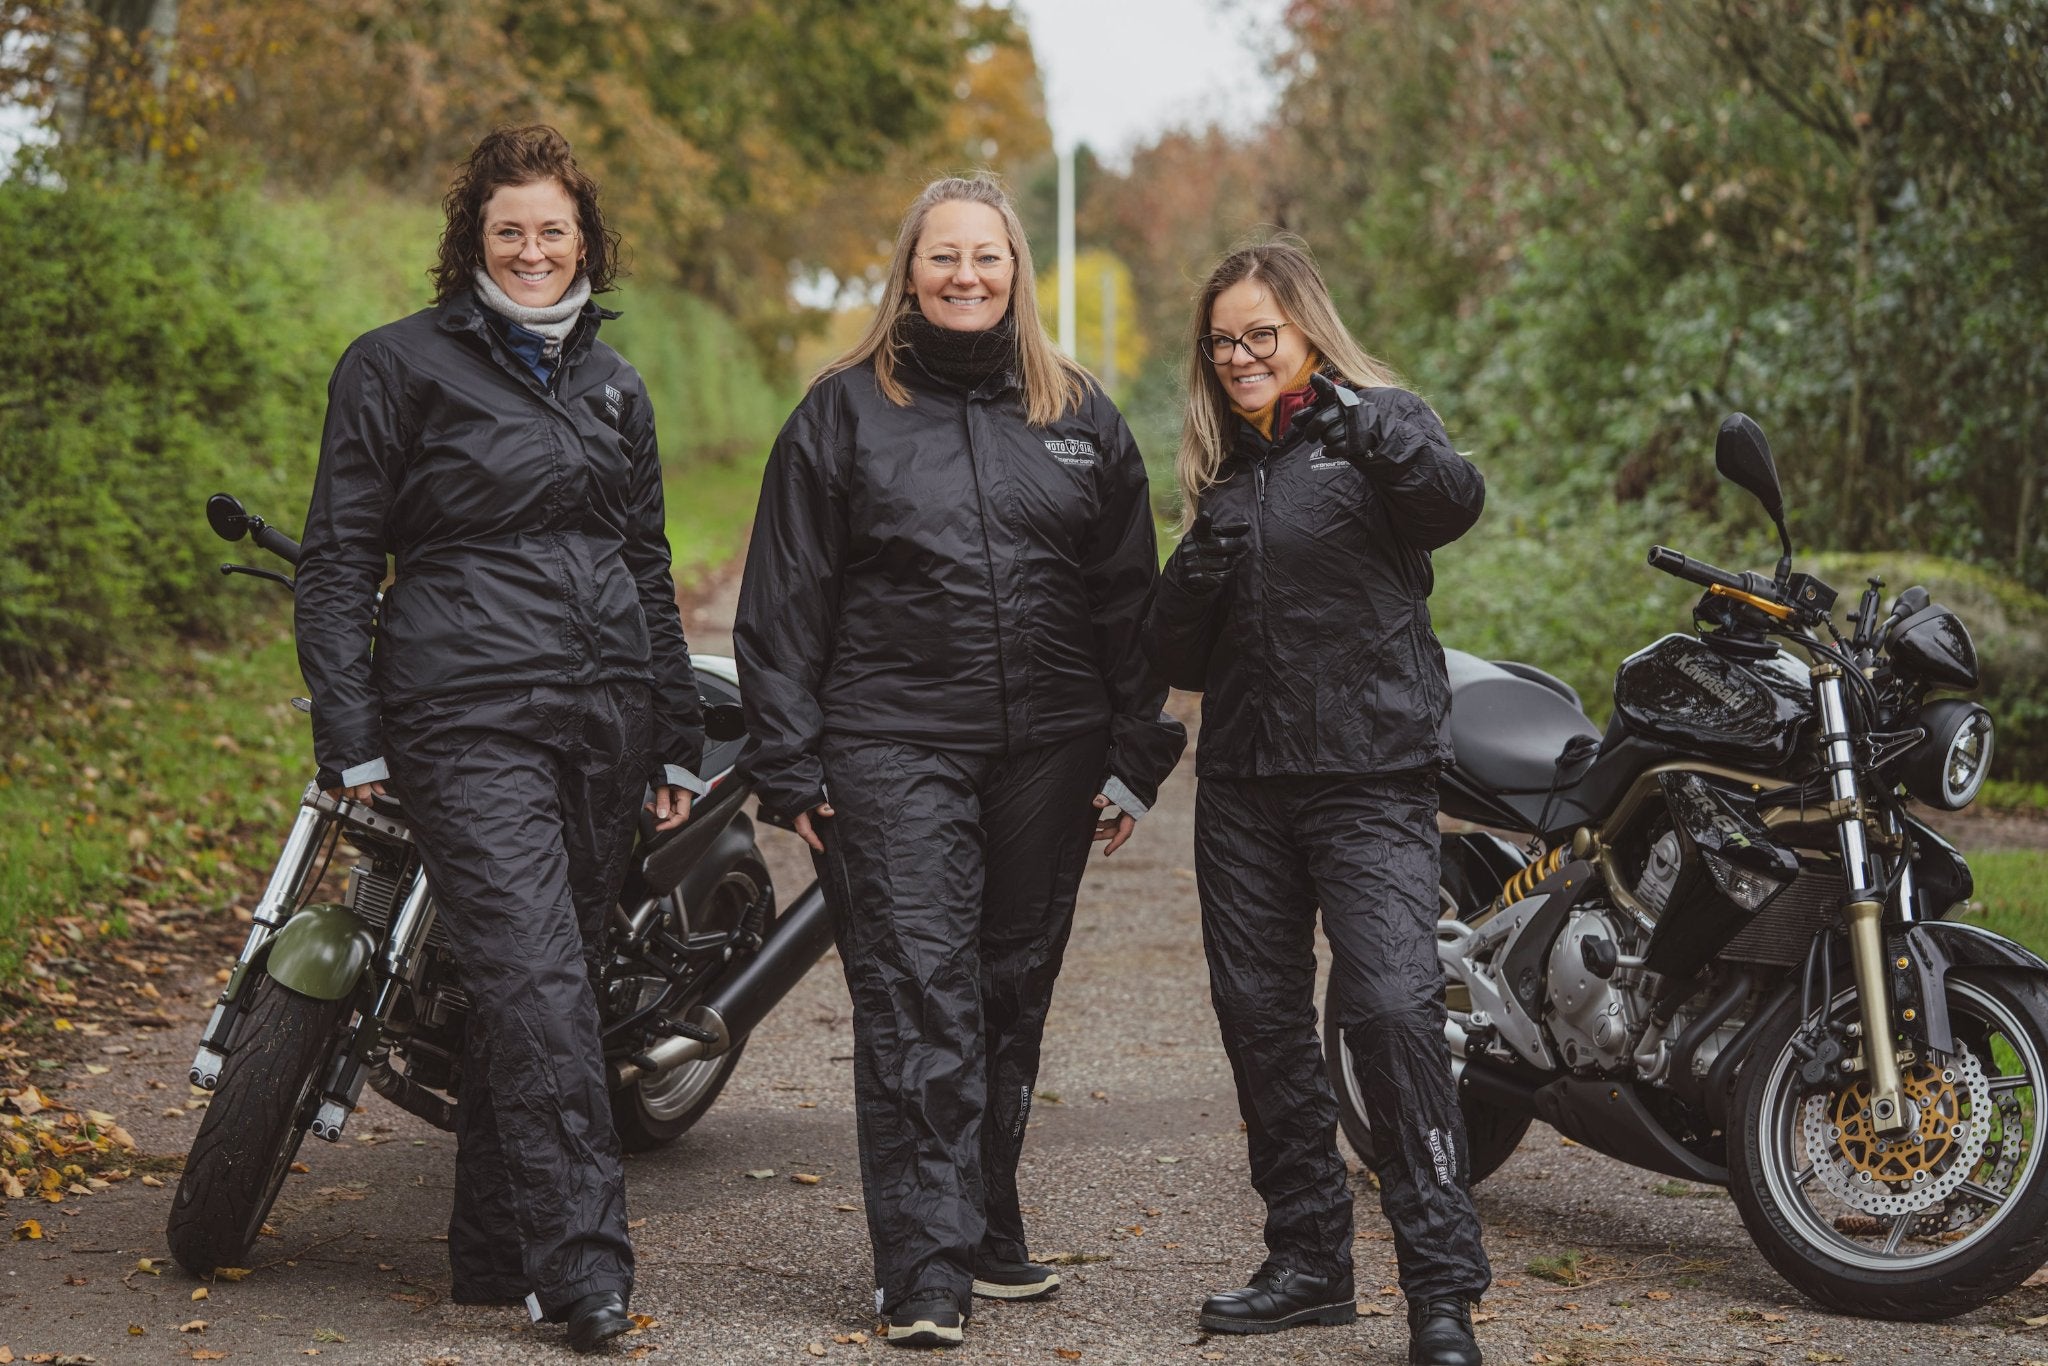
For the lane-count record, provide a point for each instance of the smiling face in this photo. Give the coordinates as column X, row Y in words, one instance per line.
column 970, row 292
column 1245, row 307
column 531, row 242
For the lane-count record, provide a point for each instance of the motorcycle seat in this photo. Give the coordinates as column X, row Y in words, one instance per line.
column 1509, row 728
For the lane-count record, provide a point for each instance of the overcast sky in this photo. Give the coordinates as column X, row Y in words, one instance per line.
column 1119, row 71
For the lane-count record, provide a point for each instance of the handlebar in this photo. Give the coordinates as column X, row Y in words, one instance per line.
column 274, row 541
column 1696, row 571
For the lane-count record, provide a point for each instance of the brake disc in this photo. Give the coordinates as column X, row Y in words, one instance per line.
column 1887, row 1175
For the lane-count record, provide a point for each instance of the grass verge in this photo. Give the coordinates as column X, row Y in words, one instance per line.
column 2012, row 887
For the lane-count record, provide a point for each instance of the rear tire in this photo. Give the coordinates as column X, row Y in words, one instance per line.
column 654, row 1113
column 1491, row 1133
column 268, row 1092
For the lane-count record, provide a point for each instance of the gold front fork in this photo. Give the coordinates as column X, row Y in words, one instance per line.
column 1880, row 1058
column 1864, row 912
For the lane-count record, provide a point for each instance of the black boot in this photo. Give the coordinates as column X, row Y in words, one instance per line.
column 1278, row 1298
column 596, row 1319
column 999, row 1280
column 1440, row 1333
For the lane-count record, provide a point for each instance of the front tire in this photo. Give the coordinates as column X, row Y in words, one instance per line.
column 268, row 1092
column 1920, row 1227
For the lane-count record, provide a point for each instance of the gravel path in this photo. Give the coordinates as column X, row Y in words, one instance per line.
column 1134, row 1169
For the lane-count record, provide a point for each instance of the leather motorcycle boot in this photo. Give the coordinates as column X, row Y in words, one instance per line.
column 596, row 1319
column 999, row 1280
column 1440, row 1333
column 1278, row 1298
column 926, row 1318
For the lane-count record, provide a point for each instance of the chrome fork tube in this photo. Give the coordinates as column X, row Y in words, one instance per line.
column 396, row 968
column 1864, row 913
column 271, row 910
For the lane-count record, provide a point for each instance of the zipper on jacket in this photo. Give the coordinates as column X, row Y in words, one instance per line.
column 988, row 557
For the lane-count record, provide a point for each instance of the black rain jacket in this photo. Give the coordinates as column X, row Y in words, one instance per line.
column 1317, row 657
column 948, row 574
column 525, row 522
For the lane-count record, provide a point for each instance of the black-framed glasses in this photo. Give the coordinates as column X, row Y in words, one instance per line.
column 989, row 263
column 1259, row 343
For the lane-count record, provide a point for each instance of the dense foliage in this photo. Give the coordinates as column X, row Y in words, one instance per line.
column 170, row 344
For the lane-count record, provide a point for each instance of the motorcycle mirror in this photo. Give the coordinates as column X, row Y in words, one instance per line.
column 1743, row 457
column 227, row 517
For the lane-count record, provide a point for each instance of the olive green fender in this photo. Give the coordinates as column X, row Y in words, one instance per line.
column 321, row 952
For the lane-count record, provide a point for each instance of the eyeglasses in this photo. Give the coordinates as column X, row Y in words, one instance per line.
column 986, row 263
column 551, row 240
column 1259, row 344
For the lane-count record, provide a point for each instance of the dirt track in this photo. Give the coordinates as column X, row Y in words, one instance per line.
column 1135, row 1163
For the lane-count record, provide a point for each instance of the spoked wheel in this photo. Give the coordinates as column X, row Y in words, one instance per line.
column 268, row 1092
column 656, row 1111
column 1922, row 1225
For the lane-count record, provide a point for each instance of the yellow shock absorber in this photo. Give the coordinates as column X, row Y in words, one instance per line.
column 1523, row 882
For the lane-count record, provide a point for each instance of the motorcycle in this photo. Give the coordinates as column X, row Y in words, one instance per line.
column 328, row 995
column 1723, row 955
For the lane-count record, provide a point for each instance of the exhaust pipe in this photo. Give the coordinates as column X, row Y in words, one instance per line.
column 743, row 995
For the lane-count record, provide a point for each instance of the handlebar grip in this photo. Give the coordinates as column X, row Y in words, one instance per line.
column 1695, row 571
column 276, row 542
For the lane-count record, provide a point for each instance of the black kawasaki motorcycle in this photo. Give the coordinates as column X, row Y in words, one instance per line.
column 1721, row 954
column 329, row 995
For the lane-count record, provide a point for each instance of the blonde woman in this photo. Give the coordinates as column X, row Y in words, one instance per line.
column 1315, row 489
column 938, row 627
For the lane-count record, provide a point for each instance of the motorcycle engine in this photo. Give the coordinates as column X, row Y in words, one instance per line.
column 1660, row 873
column 1592, row 1017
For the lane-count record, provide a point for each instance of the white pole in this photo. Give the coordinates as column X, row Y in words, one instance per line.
column 1066, row 212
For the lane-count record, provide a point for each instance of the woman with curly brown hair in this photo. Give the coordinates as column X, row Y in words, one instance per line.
column 530, row 687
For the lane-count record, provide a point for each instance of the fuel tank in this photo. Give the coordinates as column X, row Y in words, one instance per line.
column 1683, row 692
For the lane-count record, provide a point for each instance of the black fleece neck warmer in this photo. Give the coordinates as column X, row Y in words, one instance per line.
column 963, row 358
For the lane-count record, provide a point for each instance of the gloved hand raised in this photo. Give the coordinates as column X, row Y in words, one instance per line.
column 1208, row 554
column 1348, row 426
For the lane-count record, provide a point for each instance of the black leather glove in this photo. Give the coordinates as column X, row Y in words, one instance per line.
column 1208, row 554
column 1348, row 426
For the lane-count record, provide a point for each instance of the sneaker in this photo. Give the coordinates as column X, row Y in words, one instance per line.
column 1278, row 1298
column 926, row 1318
column 994, row 1280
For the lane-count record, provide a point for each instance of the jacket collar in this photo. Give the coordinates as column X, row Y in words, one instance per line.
column 465, row 313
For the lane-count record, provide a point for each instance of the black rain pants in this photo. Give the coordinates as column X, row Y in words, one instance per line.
column 524, row 802
column 1267, row 851
column 951, row 877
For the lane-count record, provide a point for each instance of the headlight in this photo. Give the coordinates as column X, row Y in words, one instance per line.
column 1947, row 769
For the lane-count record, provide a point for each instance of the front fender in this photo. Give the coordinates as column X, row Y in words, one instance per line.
column 321, row 952
column 1936, row 948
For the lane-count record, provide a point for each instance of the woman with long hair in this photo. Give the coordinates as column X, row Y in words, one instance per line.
column 530, row 687
column 937, row 641
column 1314, row 490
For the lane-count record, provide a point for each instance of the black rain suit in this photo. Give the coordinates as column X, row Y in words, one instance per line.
column 1323, row 725
column 938, row 626
column 529, row 680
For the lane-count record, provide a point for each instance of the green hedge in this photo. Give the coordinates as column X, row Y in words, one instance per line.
column 165, row 346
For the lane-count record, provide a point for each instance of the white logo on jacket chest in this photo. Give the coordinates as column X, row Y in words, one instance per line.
column 614, row 404
column 1073, row 450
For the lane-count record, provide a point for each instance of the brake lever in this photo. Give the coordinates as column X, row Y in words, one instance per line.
column 256, row 573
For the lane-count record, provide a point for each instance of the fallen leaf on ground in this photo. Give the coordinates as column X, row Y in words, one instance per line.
column 28, row 1230
column 1374, row 1310
column 636, row 1223
column 151, row 1265
column 1066, row 1354
column 327, row 1335
column 153, row 1182
column 200, row 1293
column 230, row 1273
column 202, row 1354
column 846, row 1209
column 760, row 1174
column 643, row 1322
column 805, row 1178
column 1166, row 1161
column 1656, row 1294
column 196, row 1326
column 815, row 1348
column 1069, row 1258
